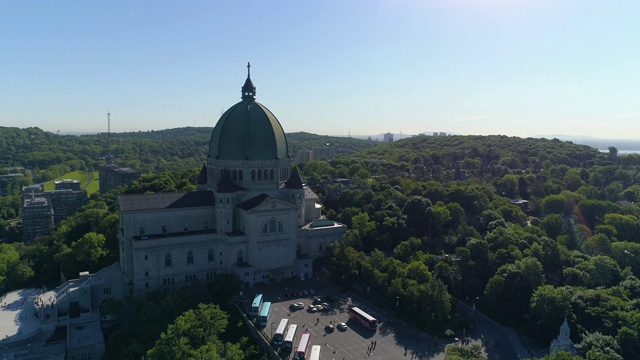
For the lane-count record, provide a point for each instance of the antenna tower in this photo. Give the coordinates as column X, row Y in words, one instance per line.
column 108, row 135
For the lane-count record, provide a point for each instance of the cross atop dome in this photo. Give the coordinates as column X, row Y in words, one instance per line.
column 248, row 90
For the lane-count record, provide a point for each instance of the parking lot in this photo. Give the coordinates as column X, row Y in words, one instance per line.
column 392, row 340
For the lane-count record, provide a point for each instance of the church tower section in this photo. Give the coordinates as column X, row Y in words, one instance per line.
column 249, row 141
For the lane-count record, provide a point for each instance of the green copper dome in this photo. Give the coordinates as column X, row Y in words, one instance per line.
column 248, row 131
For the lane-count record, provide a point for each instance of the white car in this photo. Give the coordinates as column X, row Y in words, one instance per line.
column 319, row 307
column 312, row 309
column 342, row 327
column 297, row 306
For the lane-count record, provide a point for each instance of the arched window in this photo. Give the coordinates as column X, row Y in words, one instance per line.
column 272, row 174
column 211, row 256
column 167, row 260
column 189, row 257
column 234, row 174
column 240, row 177
column 253, row 175
column 265, row 174
column 272, row 226
column 259, row 175
column 240, row 257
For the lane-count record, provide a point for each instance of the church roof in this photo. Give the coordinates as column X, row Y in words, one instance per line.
column 226, row 185
column 202, row 177
column 165, row 201
column 255, row 202
column 248, row 131
column 295, row 180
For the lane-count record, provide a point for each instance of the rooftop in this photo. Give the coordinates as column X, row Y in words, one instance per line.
column 166, row 201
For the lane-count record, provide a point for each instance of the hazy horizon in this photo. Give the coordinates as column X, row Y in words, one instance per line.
column 518, row 68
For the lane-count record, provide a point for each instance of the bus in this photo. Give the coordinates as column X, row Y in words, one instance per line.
column 290, row 338
column 363, row 318
column 256, row 306
column 315, row 352
column 278, row 337
column 265, row 314
column 303, row 345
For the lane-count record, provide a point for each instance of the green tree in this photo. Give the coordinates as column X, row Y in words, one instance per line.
column 549, row 305
column 192, row 334
column 597, row 346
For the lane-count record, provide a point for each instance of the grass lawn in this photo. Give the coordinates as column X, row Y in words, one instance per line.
column 81, row 176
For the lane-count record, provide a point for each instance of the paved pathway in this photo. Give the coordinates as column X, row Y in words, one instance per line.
column 500, row 342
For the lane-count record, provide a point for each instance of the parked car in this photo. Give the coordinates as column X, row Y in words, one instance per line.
column 297, row 306
column 312, row 309
column 319, row 307
column 328, row 328
column 342, row 327
column 317, row 301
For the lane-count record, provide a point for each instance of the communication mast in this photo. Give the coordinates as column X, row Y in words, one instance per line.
column 109, row 158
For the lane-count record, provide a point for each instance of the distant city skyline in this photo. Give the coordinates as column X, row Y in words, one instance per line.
column 517, row 68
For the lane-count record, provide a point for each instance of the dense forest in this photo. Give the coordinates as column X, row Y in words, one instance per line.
column 530, row 230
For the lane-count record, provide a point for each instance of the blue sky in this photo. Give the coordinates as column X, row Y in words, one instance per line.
column 520, row 68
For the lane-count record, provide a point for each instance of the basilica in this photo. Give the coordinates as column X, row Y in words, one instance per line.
column 252, row 213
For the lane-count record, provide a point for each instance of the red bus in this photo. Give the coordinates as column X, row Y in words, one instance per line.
column 363, row 318
column 303, row 345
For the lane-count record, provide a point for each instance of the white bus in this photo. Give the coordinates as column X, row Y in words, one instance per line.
column 303, row 346
column 278, row 337
column 315, row 352
column 290, row 338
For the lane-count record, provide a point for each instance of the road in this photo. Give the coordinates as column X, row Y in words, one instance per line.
column 499, row 341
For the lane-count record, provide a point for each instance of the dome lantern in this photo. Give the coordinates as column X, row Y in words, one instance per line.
column 248, row 89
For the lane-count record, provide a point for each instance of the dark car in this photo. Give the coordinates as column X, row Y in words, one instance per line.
column 328, row 328
column 317, row 301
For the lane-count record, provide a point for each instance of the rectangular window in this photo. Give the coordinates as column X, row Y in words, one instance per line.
column 206, row 225
column 146, row 285
column 106, row 290
column 164, row 229
column 186, row 227
column 141, row 231
column 146, row 274
column 146, row 257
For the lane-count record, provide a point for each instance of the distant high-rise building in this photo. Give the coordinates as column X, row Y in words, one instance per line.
column 304, row 156
column 37, row 218
column 388, row 137
column 113, row 176
column 60, row 204
column 67, row 184
column 324, row 152
column 66, row 202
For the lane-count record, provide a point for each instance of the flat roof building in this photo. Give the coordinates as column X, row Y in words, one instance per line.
column 113, row 176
